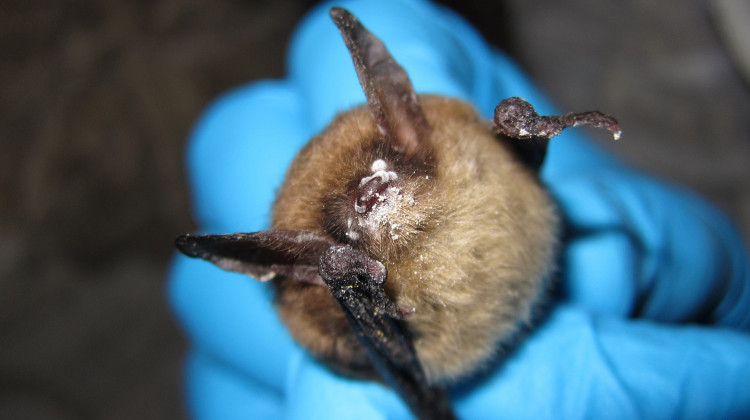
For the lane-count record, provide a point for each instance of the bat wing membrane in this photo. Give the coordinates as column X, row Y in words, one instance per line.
column 261, row 255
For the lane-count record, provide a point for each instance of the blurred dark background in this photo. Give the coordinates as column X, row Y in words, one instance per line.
column 98, row 98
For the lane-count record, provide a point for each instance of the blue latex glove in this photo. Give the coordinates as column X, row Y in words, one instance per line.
column 647, row 264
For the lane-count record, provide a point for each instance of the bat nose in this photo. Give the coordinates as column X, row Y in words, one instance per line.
column 371, row 193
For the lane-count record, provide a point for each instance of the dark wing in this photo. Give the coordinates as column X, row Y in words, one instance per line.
column 356, row 281
column 262, row 255
column 517, row 119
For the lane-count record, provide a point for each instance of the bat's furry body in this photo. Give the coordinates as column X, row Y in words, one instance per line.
column 467, row 241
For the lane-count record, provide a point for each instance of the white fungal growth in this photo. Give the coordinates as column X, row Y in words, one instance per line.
column 378, row 165
column 387, row 206
column 379, row 171
column 351, row 233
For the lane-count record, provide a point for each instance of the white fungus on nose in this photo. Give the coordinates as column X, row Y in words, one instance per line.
column 379, row 171
column 387, row 204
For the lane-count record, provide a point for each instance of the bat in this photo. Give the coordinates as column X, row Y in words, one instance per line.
column 410, row 239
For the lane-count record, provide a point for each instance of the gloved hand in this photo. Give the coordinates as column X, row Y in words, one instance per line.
column 657, row 286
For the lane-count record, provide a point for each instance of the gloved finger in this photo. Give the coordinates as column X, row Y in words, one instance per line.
column 642, row 248
column 230, row 317
column 317, row 393
column 218, row 392
column 239, row 152
column 580, row 365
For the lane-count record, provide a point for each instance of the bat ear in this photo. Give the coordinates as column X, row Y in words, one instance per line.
column 390, row 94
column 261, row 255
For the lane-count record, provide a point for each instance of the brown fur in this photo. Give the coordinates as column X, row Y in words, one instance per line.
column 468, row 241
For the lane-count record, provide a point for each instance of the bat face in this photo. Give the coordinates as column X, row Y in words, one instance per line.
column 410, row 239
